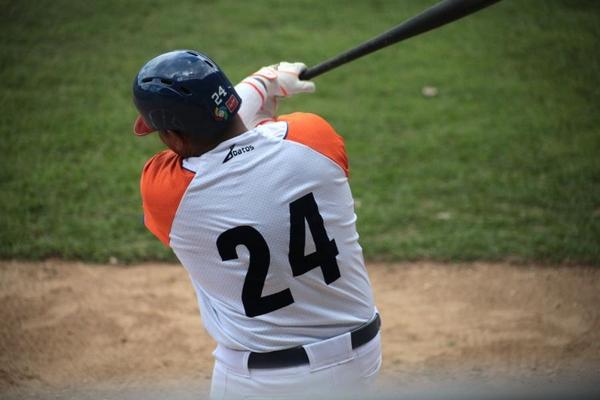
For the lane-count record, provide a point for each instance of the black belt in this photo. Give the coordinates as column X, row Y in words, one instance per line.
column 297, row 355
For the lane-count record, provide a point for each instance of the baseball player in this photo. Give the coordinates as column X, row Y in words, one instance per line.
column 258, row 209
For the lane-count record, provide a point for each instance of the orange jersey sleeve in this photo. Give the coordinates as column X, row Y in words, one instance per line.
column 313, row 131
column 163, row 183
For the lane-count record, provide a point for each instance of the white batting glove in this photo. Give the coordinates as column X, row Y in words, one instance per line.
column 282, row 79
column 272, row 82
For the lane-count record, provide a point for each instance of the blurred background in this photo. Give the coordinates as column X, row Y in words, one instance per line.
column 479, row 140
column 475, row 166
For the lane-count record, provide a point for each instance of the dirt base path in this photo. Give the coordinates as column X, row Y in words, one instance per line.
column 69, row 325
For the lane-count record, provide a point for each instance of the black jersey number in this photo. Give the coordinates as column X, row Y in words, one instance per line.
column 305, row 208
column 254, row 303
column 324, row 256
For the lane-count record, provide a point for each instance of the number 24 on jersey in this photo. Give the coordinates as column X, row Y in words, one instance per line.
column 324, row 256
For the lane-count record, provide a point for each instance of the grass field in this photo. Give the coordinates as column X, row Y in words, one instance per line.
column 504, row 164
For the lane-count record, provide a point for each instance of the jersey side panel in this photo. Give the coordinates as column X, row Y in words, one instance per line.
column 163, row 183
column 313, row 131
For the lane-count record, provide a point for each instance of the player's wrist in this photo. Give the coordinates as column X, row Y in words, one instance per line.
column 259, row 85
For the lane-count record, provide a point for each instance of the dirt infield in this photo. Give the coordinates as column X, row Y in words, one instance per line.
column 68, row 325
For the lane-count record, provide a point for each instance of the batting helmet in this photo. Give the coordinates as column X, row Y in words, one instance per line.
column 184, row 91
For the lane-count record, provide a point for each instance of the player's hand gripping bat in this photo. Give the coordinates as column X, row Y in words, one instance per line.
column 440, row 14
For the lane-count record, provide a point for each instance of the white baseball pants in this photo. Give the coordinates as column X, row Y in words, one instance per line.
column 335, row 371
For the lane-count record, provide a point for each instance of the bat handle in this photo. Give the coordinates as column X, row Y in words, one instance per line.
column 315, row 71
column 305, row 75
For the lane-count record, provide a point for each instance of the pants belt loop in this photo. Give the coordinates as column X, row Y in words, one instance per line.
column 327, row 353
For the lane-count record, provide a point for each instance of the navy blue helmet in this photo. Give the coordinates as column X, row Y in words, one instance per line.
column 184, row 91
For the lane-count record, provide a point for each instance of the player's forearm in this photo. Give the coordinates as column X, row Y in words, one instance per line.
column 260, row 91
column 253, row 97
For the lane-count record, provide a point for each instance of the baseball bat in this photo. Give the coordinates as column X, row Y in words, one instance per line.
column 440, row 14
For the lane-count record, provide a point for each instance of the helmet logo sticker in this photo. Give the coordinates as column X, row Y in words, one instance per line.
column 231, row 103
column 221, row 114
column 221, row 111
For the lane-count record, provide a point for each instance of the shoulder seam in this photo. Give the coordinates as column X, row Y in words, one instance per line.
column 317, row 152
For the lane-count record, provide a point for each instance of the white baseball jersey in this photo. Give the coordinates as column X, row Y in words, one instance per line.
column 265, row 226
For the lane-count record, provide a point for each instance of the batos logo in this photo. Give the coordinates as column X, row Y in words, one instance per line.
column 236, row 152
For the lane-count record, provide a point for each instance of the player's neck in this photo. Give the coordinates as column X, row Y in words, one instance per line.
column 189, row 149
column 237, row 128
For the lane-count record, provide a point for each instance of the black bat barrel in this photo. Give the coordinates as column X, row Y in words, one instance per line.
column 440, row 14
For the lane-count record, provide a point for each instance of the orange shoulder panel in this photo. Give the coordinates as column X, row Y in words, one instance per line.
column 163, row 183
column 316, row 133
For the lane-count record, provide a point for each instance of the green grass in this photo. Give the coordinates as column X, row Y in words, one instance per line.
column 503, row 164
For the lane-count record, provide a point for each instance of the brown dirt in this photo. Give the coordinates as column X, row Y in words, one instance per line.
column 69, row 325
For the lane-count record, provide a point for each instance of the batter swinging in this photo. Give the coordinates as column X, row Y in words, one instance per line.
column 258, row 209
